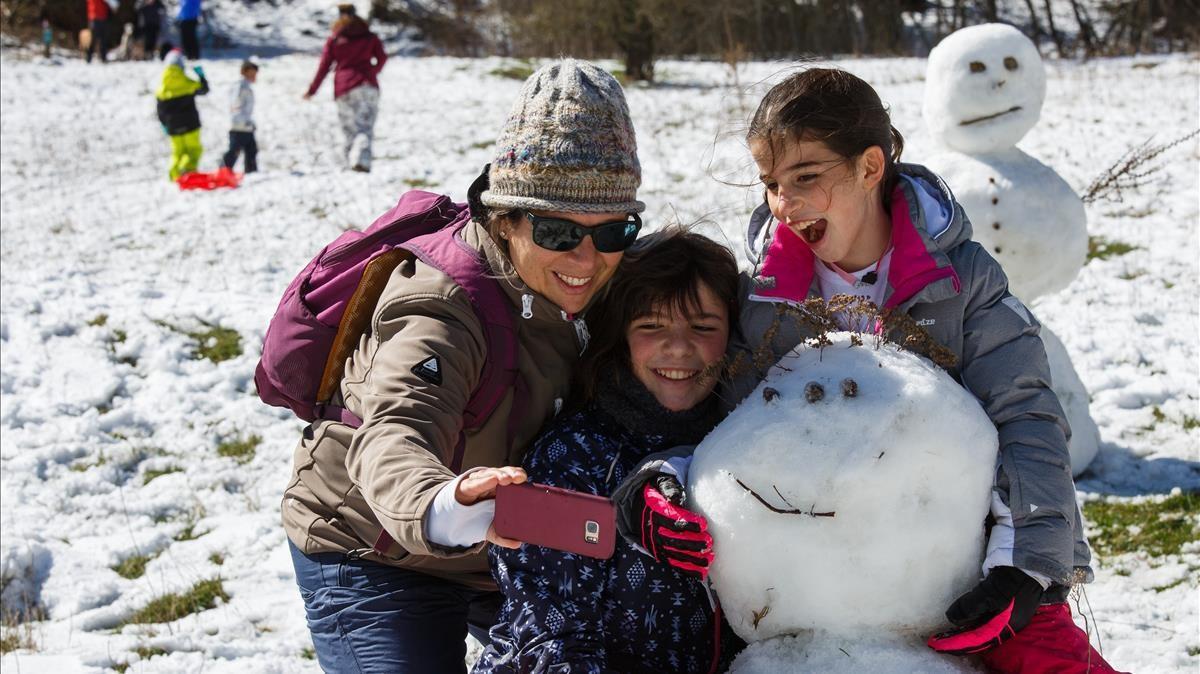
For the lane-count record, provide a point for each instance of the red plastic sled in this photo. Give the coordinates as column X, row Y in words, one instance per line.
column 223, row 177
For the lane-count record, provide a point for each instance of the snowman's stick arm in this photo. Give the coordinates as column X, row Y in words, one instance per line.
column 811, row 512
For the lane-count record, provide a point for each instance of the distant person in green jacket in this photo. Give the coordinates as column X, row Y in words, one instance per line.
column 177, row 110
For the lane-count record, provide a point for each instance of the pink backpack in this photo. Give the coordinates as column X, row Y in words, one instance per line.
column 329, row 306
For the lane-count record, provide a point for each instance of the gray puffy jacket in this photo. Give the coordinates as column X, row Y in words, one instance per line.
column 954, row 289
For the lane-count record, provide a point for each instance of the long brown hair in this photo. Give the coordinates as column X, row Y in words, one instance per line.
column 663, row 270
column 831, row 106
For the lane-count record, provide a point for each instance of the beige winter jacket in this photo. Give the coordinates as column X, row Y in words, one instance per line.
column 347, row 485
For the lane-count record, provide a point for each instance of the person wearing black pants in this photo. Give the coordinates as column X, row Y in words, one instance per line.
column 188, row 16
column 149, row 20
column 187, row 35
column 99, row 43
column 239, row 142
column 241, row 126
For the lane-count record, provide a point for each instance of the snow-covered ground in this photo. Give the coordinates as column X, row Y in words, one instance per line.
column 107, row 265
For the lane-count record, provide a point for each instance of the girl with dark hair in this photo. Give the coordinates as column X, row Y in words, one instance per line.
column 646, row 385
column 843, row 216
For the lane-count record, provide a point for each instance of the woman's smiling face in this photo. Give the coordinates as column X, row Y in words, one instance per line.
column 568, row 278
column 673, row 353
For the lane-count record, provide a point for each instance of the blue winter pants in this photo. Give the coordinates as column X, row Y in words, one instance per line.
column 367, row 617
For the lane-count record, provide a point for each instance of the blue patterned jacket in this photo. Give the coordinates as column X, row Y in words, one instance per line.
column 564, row 612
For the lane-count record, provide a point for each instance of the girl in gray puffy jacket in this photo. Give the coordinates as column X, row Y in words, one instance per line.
column 850, row 219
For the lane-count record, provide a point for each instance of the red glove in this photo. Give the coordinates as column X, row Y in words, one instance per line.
column 670, row 532
column 990, row 614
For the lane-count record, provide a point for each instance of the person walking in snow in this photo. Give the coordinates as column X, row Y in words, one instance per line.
column 357, row 56
column 149, row 23
column 389, row 522
column 98, row 12
column 646, row 385
column 188, row 17
column 177, row 111
column 851, row 220
column 241, row 126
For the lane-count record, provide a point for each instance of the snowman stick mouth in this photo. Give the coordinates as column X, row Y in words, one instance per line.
column 811, row 512
column 987, row 117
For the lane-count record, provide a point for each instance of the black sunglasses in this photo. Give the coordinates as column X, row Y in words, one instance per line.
column 561, row 235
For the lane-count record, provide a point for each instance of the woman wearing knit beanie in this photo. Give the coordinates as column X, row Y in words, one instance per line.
column 388, row 542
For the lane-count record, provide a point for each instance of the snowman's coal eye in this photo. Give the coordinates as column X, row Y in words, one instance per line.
column 977, row 66
column 813, row 392
column 1010, row 63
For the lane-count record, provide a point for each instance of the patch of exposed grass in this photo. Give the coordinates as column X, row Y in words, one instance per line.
column 1157, row 528
column 1193, row 651
column 308, row 654
column 154, row 473
column 1131, row 275
column 147, row 652
column 120, row 667
column 1100, row 248
column 1187, row 421
column 99, row 321
column 15, row 640
column 217, row 558
column 216, row 343
column 171, row 607
column 514, row 71
column 187, row 534
column 84, row 466
column 239, row 450
column 133, row 566
column 418, row 183
column 16, row 629
column 1164, row 588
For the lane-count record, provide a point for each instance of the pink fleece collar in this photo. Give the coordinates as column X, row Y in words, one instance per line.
column 787, row 270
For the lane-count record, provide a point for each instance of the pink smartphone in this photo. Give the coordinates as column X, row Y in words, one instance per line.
column 553, row 517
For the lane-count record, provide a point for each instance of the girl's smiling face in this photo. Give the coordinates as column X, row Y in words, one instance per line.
column 831, row 202
column 674, row 353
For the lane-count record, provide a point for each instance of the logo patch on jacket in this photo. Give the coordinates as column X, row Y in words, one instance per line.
column 430, row 370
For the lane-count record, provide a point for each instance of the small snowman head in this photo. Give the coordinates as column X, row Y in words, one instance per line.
column 984, row 87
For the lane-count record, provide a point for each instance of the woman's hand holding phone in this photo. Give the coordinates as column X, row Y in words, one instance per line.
column 480, row 485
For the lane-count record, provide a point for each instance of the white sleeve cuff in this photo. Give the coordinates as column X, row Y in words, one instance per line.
column 454, row 525
column 678, row 467
column 1002, row 541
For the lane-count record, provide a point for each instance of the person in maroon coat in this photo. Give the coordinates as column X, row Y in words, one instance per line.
column 357, row 56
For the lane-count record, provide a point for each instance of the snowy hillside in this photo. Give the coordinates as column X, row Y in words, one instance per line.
column 140, row 477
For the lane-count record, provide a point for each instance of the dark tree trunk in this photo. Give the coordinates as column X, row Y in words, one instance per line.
column 1054, row 34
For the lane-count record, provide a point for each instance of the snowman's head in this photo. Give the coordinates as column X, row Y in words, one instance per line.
column 848, row 493
column 984, row 87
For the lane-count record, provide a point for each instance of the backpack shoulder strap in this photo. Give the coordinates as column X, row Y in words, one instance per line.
column 446, row 251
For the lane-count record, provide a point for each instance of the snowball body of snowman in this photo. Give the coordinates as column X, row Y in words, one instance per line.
column 844, row 527
column 984, row 87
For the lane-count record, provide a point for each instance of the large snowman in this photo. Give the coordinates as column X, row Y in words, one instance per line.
column 984, row 87
column 846, row 498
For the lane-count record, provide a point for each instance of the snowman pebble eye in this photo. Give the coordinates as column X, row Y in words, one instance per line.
column 1010, row 63
column 849, row 388
column 813, row 392
column 977, row 66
